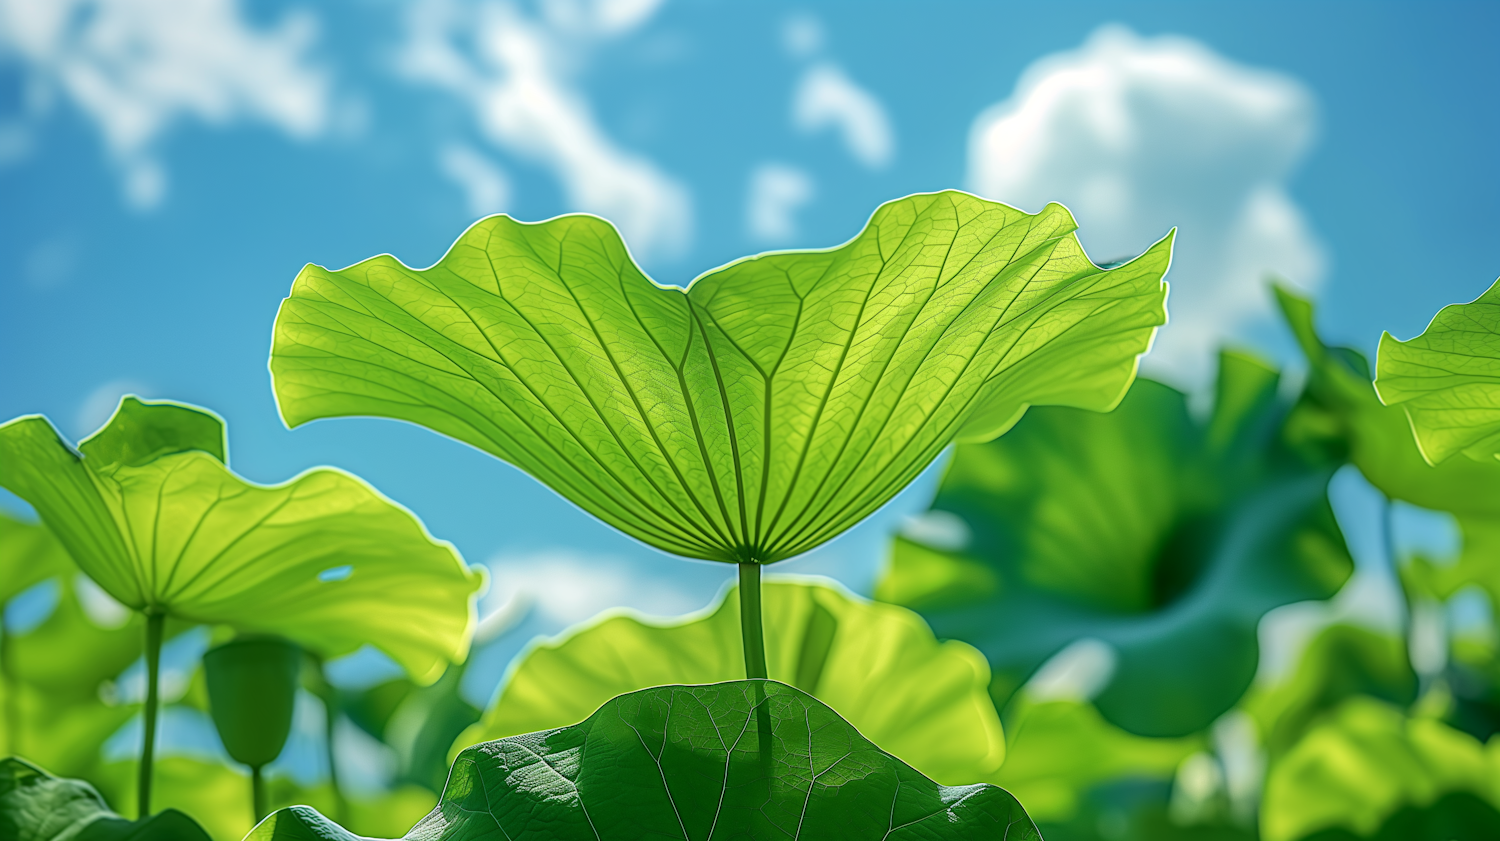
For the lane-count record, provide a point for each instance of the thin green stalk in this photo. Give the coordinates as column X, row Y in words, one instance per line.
column 155, row 621
column 751, row 630
column 257, row 793
column 9, row 686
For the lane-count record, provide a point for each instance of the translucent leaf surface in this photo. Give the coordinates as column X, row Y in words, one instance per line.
column 878, row 665
column 1340, row 412
column 1164, row 538
column 315, row 559
column 1448, row 379
column 774, row 404
column 748, row 759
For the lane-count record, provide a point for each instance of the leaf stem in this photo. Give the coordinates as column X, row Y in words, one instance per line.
column 155, row 620
column 751, row 630
column 257, row 793
column 9, row 687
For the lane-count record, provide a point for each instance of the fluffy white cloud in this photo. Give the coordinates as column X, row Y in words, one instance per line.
column 777, row 191
column 137, row 66
column 485, row 186
column 566, row 586
column 1136, row 135
column 516, row 72
column 827, row 99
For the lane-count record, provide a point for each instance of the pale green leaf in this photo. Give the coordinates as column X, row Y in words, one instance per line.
column 923, row 701
column 1448, row 379
column 747, row 759
column 316, row 559
column 1161, row 536
column 774, row 404
column 1356, row 769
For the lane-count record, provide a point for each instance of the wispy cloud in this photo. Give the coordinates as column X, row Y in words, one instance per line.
column 1136, row 135
column 485, row 186
column 517, row 72
column 136, row 67
column 777, row 191
column 827, row 99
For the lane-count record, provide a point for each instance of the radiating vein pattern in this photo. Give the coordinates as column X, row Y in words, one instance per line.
column 1448, row 379
column 774, row 404
column 738, row 760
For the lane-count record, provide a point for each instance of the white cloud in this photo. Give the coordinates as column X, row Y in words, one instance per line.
column 566, row 586
column 1136, row 135
column 777, row 191
column 135, row 67
column 486, row 187
column 802, row 36
column 515, row 72
column 826, row 98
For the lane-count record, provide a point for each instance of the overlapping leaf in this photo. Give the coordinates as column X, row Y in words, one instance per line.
column 775, row 403
column 149, row 510
column 747, row 759
column 1165, row 538
column 1358, row 768
column 878, row 665
column 1340, row 412
column 36, row 806
column 1448, row 379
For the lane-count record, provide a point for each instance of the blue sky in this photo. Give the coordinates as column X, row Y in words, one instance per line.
column 165, row 170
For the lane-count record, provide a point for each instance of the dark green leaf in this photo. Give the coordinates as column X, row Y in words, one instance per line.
column 36, row 806
column 1165, row 538
column 776, row 403
column 748, row 759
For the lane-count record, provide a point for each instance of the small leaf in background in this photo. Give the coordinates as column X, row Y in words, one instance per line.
column 774, row 404
column 878, row 665
column 36, row 806
column 1162, row 537
column 753, row 759
column 1340, row 411
column 159, row 521
column 1448, row 380
column 1365, row 763
column 29, row 555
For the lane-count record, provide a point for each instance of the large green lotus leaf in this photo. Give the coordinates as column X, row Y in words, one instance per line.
column 1364, row 763
column 1166, row 538
column 1342, row 662
column 746, row 759
column 1339, row 410
column 29, row 555
column 878, row 665
column 772, row 405
column 1058, row 750
column 1448, row 379
column 36, row 806
column 315, row 559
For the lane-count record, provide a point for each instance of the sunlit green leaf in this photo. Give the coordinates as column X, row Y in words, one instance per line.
column 315, row 559
column 777, row 402
column 1060, row 749
column 749, row 759
column 878, row 665
column 36, row 806
column 1163, row 537
column 1360, row 766
column 1340, row 410
column 1448, row 379
column 1341, row 662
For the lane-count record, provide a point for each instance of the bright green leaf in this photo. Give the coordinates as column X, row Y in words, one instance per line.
column 315, row 559
column 878, row 665
column 1340, row 411
column 1448, row 379
column 776, row 403
column 1356, row 769
column 36, row 806
column 1165, row 538
column 752, row 759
